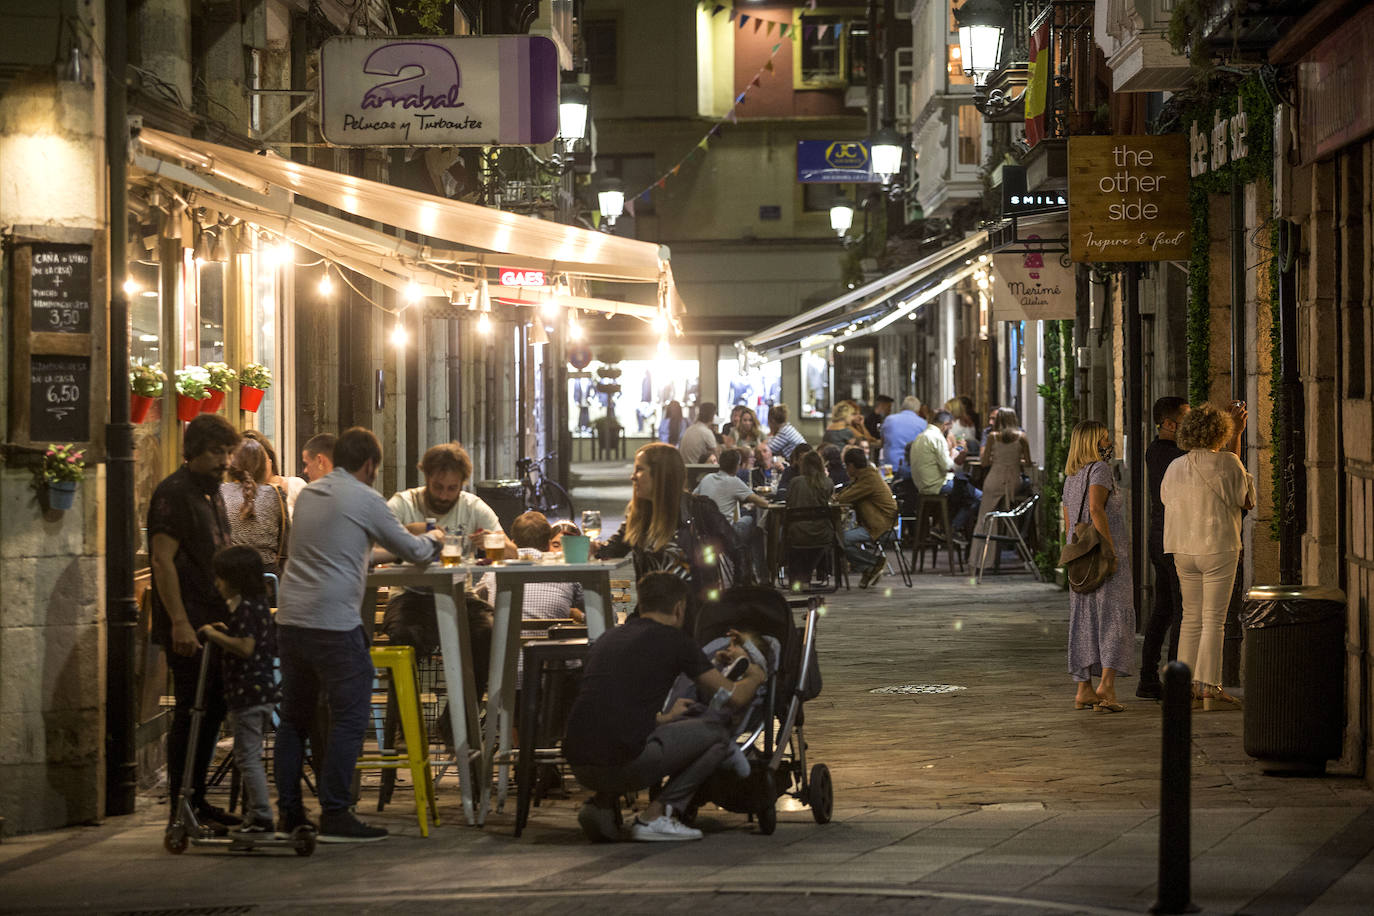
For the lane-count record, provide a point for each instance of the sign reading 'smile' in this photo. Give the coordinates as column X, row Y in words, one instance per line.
column 60, row 289
column 1128, row 198
column 438, row 91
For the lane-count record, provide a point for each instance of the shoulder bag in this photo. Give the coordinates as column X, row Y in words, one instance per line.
column 1087, row 560
column 285, row 524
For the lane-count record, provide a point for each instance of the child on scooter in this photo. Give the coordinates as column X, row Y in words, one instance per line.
column 249, row 644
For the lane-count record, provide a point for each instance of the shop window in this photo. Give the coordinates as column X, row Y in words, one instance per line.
column 815, row 385
column 955, row 68
column 970, row 136
column 145, row 313
column 758, row 388
column 646, row 388
column 263, row 332
column 211, row 312
column 854, row 370
column 599, row 43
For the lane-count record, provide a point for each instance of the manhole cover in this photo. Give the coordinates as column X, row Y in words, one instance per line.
column 907, row 689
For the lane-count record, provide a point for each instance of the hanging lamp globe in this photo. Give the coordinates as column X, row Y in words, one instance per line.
column 572, row 113
column 982, row 26
column 610, row 199
column 841, row 213
column 885, row 152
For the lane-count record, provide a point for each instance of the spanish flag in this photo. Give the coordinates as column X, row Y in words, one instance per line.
column 1037, row 89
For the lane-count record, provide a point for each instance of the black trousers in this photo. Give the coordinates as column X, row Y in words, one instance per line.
column 185, row 674
column 1165, row 616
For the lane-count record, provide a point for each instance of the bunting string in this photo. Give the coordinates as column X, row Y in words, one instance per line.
column 785, row 29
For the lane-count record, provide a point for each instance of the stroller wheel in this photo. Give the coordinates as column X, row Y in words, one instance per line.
column 304, row 841
column 175, row 840
column 768, row 801
column 821, row 794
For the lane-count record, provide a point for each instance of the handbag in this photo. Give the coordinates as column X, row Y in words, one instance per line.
column 1087, row 560
column 285, row 525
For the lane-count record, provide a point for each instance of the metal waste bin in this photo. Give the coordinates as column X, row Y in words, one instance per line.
column 505, row 497
column 1294, row 675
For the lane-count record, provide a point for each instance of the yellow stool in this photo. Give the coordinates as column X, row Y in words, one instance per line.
column 400, row 663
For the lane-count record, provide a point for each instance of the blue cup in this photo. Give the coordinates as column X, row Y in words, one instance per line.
column 577, row 548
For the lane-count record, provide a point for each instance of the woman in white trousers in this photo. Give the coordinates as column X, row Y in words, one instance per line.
column 1204, row 493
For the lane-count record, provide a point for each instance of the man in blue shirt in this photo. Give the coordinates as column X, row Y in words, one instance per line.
column 320, row 631
column 900, row 430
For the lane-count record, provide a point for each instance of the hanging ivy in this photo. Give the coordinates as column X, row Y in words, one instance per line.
column 1216, row 99
column 1057, row 392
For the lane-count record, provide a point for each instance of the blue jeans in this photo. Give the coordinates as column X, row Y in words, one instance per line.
column 337, row 664
column 250, row 723
column 855, row 540
column 961, row 503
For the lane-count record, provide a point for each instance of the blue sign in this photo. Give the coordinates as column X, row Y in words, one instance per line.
column 834, row 161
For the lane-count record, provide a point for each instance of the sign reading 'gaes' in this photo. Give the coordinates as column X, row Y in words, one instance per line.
column 1128, row 198
column 438, row 91
column 510, row 276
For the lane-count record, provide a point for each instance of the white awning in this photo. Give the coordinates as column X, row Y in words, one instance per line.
column 872, row 306
column 262, row 189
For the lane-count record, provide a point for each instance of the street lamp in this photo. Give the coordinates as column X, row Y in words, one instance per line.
column 885, row 150
column 572, row 113
column 982, row 23
column 611, row 199
column 841, row 213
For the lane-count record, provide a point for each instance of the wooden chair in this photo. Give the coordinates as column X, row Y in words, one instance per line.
column 929, row 505
column 832, row 548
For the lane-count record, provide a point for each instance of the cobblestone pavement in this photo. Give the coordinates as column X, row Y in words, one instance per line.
column 995, row 798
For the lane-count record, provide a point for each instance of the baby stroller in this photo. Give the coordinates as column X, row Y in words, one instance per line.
column 771, row 734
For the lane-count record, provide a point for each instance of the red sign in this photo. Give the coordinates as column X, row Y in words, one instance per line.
column 1334, row 85
column 512, row 277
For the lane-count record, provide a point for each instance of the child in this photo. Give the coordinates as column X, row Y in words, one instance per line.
column 249, row 645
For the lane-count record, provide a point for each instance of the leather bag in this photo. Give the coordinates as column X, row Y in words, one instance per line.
column 1087, row 560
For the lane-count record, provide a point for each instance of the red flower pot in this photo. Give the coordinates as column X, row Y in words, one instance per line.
column 187, row 408
column 213, row 403
column 139, row 405
column 250, row 398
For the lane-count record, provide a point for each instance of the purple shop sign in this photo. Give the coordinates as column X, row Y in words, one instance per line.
column 485, row 91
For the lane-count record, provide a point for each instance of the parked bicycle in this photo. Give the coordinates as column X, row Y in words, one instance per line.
column 542, row 493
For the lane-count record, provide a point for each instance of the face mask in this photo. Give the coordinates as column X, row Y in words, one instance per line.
column 1106, row 452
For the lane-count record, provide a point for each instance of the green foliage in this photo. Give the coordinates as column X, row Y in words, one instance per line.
column 64, row 462
column 1057, row 392
column 146, row 379
column 192, row 382
column 256, row 375
column 222, row 378
column 428, row 13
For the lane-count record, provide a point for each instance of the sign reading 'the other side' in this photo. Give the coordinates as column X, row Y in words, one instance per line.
column 438, row 91
column 1128, row 198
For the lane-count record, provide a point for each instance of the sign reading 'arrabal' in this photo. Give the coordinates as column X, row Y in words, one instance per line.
column 1128, row 198
column 438, row 91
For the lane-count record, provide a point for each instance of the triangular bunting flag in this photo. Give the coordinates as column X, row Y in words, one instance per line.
column 769, row 66
column 734, row 118
column 839, row 29
column 733, row 14
column 704, row 144
column 743, row 19
column 715, row 131
column 757, row 22
column 769, row 30
column 661, row 182
column 676, row 167
column 739, row 99
column 779, row 44
column 630, row 208
column 754, row 81
column 644, row 195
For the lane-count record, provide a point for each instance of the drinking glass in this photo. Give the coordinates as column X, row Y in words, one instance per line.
column 452, row 552
column 494, row 543
column 591, row 523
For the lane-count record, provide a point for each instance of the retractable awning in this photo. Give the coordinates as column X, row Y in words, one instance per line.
column 263, row 189
column 871, row 307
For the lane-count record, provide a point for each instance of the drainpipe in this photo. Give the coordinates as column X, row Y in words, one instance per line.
column 1292, row 440
column 1135, row 413
column 121, row 611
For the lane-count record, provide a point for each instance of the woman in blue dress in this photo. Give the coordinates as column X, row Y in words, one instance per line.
column 1101, row 622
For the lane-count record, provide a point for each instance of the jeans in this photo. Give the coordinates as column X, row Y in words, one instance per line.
column 250, row 723
column 337, row 664
column 750, row 539
column 1205, row 585
column 855, row 540
column 1165, row 616
column 964, row 499
column 185, row 674
column 687, row 751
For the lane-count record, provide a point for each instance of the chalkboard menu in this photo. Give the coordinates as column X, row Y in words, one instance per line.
column 60, row 289
column 59, row 398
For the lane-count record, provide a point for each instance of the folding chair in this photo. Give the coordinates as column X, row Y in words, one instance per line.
column 1004, row 527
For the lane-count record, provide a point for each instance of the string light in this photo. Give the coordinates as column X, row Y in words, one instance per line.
column 483, row 323
column 574, row 327
column 130, row 286
column 399, row 336
column 326, row 283
column 413, row 292
column 278, row 254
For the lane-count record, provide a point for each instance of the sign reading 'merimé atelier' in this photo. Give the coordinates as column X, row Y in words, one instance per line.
column 1128, row 198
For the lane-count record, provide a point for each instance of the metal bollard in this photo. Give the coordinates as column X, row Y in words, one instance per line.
column 1173, row 887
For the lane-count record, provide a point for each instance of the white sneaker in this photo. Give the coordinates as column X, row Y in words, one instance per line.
column 663, row 829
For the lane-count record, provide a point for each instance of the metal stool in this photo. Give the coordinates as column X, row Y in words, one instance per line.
column 927, row 505
column 538, row 656
column 399, row 662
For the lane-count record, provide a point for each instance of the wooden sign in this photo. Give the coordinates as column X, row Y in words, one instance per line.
column 1037, row 285
column 60, row 289
column 59, row 398
column 1128, row 198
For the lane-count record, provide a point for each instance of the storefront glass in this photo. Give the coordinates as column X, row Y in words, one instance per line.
column 758, row 389
column 636, row 396
column 815, row 384
column 264, row 314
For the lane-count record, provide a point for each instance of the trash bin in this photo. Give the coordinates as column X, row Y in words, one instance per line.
column 1294, row 675
column 506, row 498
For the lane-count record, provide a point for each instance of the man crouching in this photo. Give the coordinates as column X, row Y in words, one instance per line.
column 617, row 740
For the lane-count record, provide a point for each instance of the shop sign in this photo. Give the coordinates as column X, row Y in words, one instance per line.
column 1017, row 201
column 833, row 161
column 1038, row 285
column 438, row 91
column 1336, row 89
column 512, row 277
column 1128, row 198
column 1212, row 146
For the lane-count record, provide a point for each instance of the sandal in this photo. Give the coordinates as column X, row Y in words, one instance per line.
column 1110, row 707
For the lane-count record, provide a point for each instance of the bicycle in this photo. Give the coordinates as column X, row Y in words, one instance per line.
column 540, row 492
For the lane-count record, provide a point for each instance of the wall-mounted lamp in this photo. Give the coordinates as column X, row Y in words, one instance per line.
column 611, row 200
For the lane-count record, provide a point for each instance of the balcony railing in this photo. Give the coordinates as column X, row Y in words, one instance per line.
column 1077, row 84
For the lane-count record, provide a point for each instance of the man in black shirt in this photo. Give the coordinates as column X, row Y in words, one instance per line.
column 1168, row 604
column 873, row 421
column 187, row 524
column 618, row 741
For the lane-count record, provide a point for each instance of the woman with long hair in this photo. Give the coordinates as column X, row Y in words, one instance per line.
column 746, row 432
column 846, row 426
column 668, row 529
column 805, row 540
column 1101, row 622
column 672, row 425
column 256, row 507
column 1204, row 493
column 1005, row 454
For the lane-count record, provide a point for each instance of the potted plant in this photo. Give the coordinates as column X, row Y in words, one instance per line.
column 254, row 380
column 145, row 386
column 221, row 379
column 64, row 466
column 192, row 383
